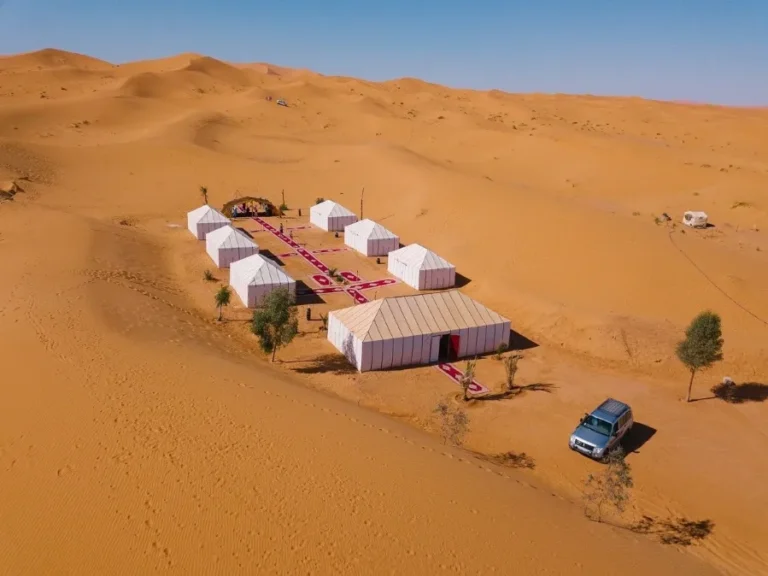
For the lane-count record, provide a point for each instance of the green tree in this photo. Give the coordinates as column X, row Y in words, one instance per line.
column 204, row 193
column 703, row 345
column 467, row 378
column 276, row 323
column 223, row 296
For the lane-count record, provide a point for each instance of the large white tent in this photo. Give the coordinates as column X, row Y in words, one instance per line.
column 331, row 216
column 254, row 277
column 370, row 238
column 205, row 219
column 415, row 330
column 420, row 268
column 227, row 244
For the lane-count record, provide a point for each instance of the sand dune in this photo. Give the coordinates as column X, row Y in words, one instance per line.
column 166, row 442
column 50, row 58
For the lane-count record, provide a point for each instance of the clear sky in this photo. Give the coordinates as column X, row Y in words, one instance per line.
column 701, row 50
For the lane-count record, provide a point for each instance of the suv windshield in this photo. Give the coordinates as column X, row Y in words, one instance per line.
column 598, row 425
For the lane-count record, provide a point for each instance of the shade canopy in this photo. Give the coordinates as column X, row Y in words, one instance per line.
column 421, row 268
column 417, row 329
column 228, row 244
column 205, row 219
column 331, row 216
column 254, row 277
column 370, row 238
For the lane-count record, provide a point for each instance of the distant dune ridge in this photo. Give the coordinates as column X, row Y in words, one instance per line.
column 183, row 441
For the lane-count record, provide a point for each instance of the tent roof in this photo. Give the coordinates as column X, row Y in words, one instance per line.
column 259, row 270
column 330, row 208
column 229, row 237
column 418, row 256
column 206, row 214
column 369, row 230
column 402, row 316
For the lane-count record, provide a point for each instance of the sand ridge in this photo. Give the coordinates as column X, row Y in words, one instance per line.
column 547, row 203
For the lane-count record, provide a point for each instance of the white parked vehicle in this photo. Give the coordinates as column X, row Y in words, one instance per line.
column 695, row 219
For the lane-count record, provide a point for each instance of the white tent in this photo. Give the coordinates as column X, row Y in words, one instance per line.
column 205, row 219
column 695, row 219
column 254, row 277
column 370, row 238
column 415, row 330
column 421, row 269
column 227, row 244
column 331, row 216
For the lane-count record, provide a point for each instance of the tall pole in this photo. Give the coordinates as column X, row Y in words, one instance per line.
column 361, row 202
column 283, row 193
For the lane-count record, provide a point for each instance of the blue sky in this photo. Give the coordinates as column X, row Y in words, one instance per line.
column 703, row 50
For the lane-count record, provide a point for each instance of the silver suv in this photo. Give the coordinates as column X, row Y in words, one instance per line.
column 601, row 431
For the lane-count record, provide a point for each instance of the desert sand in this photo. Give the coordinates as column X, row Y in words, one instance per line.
column 138, row 435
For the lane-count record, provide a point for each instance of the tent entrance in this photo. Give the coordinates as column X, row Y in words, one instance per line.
column 447, row 352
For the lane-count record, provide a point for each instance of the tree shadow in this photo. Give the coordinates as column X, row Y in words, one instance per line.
column 675, row 531
column 636, row 438
column 305, row 296
column 511, row 459
column 519, row 342
column 328, row 364
column 461, row 281
column 518, row 391
column 271, row 256
column 741, row 393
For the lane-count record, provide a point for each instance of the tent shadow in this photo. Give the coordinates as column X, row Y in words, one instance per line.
column 327, row 364
column 461, row 280
column 519, row 342
column 272, row 256
column 244, row 231
column 637, row 437
column 305, row 295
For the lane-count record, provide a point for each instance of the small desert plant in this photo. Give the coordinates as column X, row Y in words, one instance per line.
column 319, row 200
column 223, row 296
column 500, row 351
column 610, row 488
column 703, row 345
column 468, row 377
column 324, row 321
column 276, row 322
column 510, row 369
column 208, row 276
column 283, row 207
column 453, row 422
column 740, row 205
column 204, row 193
column 333, row 273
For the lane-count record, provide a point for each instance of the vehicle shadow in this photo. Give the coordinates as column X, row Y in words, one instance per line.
column 637, row 437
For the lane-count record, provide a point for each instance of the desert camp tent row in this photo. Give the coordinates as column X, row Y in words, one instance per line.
column 420, row 268
column 205, row 219
column 330, row 216
column 227, row 244
column 370, row 238
column 254, row 277
column 416, row 330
